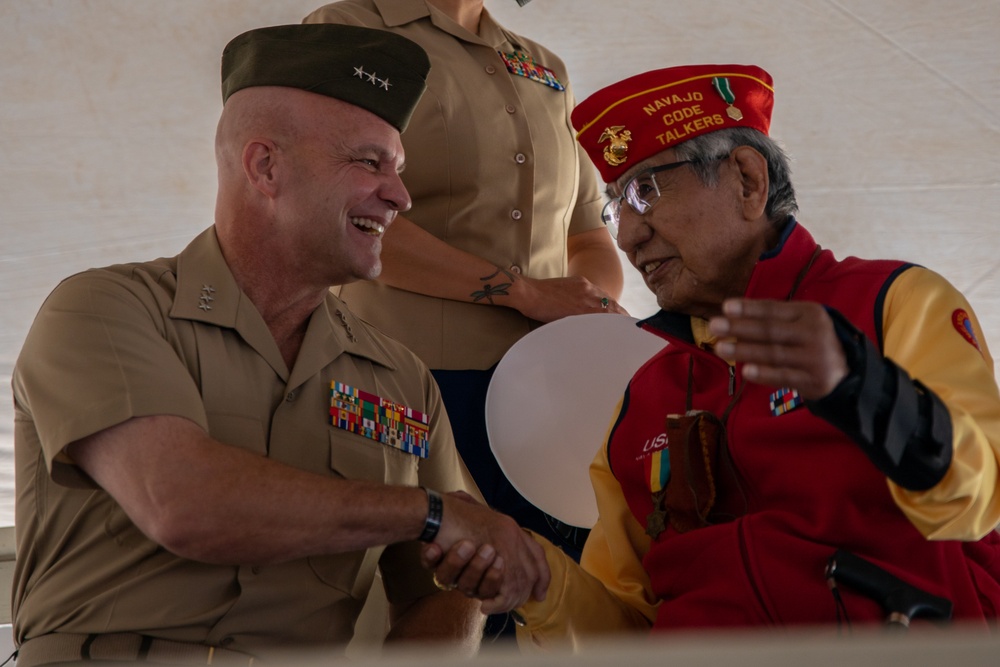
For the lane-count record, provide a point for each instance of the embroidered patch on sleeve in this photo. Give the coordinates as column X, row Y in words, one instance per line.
column 963, row 324
column 379, row 419
column 785, row 400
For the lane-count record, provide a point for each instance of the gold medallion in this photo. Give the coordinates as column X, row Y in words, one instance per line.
column 734, row 113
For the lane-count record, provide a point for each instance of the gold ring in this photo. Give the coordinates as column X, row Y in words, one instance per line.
column 604, row 303
column 441, row 586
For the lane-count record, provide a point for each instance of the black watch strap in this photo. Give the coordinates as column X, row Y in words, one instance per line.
column 435, row 511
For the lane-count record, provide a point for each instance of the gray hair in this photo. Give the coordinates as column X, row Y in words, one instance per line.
column 707, row 148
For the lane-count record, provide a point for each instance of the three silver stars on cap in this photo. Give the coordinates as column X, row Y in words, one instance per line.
column 371, row 77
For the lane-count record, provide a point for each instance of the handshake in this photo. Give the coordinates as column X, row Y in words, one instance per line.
column 485, row 555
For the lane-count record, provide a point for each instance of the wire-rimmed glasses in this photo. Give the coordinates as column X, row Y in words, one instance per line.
column 641, row 192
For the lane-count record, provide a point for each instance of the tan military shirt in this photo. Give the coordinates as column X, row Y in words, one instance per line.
column 176, row 336
column 493, row 169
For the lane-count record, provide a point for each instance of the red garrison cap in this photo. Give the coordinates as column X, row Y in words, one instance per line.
column 629, row 121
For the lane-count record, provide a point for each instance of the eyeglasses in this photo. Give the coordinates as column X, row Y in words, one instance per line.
column 641, row 192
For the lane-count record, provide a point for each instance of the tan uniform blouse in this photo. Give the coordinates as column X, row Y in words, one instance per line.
column 177, row 336
column 493, row 169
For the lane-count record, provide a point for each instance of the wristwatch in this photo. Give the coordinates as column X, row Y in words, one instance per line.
column 435, row 509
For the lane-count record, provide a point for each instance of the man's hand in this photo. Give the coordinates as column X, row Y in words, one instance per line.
column 782, row 344
column 478, row 573
column 486, row 555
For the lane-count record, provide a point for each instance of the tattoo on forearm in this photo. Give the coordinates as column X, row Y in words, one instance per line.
column 490, row 290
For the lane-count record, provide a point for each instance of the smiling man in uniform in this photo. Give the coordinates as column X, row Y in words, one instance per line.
column 213, row 454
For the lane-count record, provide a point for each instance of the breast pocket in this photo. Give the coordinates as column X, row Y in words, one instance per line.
column 354, row 456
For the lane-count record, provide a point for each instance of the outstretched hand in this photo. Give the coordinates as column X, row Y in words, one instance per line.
column 782, row 344
column 486, row 555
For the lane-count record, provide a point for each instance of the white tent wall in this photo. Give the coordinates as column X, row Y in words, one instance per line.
column 887, row 107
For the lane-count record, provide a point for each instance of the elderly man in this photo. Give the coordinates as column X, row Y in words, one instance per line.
column 817, row 433
column 212, row 452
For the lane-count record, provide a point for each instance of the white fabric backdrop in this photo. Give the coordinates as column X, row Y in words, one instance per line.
column 888, row 108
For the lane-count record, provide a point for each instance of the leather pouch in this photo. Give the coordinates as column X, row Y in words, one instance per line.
column 699, row 462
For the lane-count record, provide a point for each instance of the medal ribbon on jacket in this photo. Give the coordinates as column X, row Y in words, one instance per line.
column 379, row 419
column 785, row 400
column 522, row 64
column 657, row 469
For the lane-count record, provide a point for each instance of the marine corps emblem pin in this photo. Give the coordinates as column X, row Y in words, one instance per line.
column 615, row 152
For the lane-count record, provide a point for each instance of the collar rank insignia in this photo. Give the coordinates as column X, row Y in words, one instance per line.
column 616, row 152
column 379, row 419
column 522, row 64
column 206, row 298
column 785, row 400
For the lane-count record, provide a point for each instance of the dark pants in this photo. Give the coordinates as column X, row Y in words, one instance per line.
column 464, row 394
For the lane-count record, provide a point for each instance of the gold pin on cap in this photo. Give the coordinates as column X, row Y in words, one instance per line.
column 615, row 152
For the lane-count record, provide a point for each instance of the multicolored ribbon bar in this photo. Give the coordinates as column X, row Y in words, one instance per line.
column 379, row 419
column 522, row 64
column 785, row 400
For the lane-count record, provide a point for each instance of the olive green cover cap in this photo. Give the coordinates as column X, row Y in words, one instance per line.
column 376, row 70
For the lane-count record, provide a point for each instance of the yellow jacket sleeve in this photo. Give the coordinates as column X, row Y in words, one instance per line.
column 609, row 591
column 923, row 323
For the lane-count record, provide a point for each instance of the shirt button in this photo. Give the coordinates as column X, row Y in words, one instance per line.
column 490, row 69
column 290, row 396
column 515, row 269
column 515, row 214
column 520, row 158
column 510, row 108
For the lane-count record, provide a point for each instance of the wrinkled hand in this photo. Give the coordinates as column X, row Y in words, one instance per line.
column 486, row 555
column 550, row 299
column 782, row 344
column 478, row 573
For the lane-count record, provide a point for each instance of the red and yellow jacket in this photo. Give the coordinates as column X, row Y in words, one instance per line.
column 793, row 487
